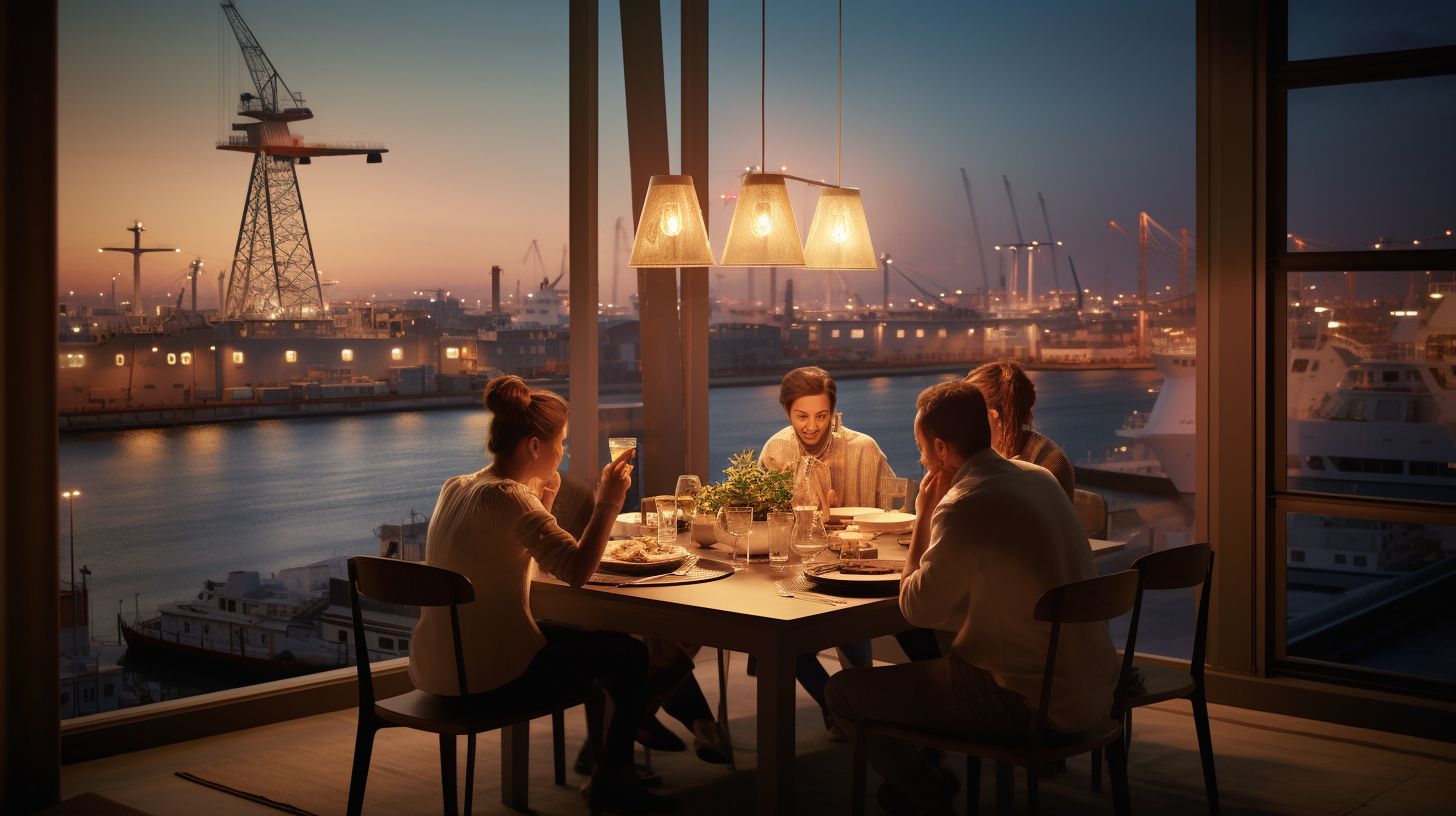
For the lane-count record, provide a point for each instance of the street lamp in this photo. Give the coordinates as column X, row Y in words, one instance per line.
column 70, row 497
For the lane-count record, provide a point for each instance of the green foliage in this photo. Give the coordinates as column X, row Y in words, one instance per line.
column 749, row 484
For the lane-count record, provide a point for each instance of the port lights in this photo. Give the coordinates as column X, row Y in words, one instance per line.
column 186, row 358
column 290, row 356
column 237, row 358
column 347, row 355
column 396, row 354
column 670, row 231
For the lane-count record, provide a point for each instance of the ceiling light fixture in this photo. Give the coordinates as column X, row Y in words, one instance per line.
column 763, row 231
column 839, row 236
column 670, row 232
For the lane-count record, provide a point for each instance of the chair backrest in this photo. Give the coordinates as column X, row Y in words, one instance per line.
column 1178, row 568
column 1092, row 510
column 1089, row 601
column 411, row 584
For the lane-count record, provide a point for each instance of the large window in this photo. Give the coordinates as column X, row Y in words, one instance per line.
column 1364, row 494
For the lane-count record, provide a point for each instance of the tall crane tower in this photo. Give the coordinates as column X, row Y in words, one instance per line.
column 273, row 274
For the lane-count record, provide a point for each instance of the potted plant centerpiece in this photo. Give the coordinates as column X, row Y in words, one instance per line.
column 749, row 484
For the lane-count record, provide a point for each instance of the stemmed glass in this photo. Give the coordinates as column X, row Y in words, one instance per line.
column 687, row 497
column 738, row 521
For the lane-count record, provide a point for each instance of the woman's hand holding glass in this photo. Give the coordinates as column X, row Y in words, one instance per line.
column 616, row 478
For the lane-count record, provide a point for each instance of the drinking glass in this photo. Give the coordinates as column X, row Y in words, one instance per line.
column 666, row 521
column 619, row 445
column 687, row 498
column 780, row 527
column 808, row 539
column 892, row 492
column 739, row 523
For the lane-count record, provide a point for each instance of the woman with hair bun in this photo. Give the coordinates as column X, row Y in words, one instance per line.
column 1010, row 396
column 489, row 526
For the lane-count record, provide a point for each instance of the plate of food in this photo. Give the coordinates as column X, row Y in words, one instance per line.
column 868, row 577
column 641, row 555
column 886, row 522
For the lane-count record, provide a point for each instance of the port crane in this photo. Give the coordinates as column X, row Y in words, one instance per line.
column 273, row 273
column 976, row 228
column 887, row 261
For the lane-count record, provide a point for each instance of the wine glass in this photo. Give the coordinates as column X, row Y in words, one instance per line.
column 687, row 501
column 738, row 521
column 808, row 539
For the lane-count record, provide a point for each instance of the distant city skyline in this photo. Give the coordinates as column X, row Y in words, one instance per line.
column 1090, row 105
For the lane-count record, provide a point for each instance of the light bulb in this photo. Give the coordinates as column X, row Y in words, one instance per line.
column 840, row 232
column 762, row 224
column 672, row 220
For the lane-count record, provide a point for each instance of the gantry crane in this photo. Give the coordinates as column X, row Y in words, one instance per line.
column 273, row 274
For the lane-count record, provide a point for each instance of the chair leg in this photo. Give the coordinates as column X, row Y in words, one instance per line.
column 973, row 785
column 1205, row 748
column 469, row 771
column 447, row 771
column 363, row 749
column 558, row 744
column 858, row 781
column 1117, row 769
column 723, row 661
column 1005, row 785
column 1096, row 770
column 1033, row 788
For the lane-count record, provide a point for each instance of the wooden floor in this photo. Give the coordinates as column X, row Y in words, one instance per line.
column 1267, row 764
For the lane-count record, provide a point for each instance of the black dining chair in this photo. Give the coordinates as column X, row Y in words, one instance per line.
column 1176, row 568
column 1090, row 601
column 413, row 584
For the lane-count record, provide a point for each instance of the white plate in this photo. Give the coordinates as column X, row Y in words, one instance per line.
column 829, row 575
column 644, row 567
column 626, row 525
column 886, row 522
column 845, row 513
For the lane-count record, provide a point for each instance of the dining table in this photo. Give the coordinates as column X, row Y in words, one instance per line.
column 741, row 612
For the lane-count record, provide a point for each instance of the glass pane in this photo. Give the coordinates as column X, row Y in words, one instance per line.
column 1371, row 367
column 1370, row 166
column 1371, row 594
column 1337, row 28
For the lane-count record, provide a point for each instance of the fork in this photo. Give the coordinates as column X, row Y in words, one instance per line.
column 682, row 570
column 803, row 596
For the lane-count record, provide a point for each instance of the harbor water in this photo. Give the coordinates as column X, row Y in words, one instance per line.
column 162, row 510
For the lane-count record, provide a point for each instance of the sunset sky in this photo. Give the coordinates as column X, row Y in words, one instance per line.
column 1089, row 104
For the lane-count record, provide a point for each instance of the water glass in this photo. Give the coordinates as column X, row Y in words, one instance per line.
column 667, row 513
column 892, row 492
column 687, row 498
column 739, row 523
column 780, row 525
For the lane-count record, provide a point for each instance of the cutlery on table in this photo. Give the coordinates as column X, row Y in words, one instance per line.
column 804, row 596
column 682, row 570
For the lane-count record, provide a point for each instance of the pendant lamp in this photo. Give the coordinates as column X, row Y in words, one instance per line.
column 763, row 232
column 671, row 233
column 839, row 236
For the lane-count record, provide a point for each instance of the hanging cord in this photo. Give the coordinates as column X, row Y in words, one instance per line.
column 839, row 145
column 762, row 73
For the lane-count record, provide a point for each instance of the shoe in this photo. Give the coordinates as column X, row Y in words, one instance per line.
column 626, row 797
column 653, row 734
column 832, row 731
column 583, row 764
column 710, row 743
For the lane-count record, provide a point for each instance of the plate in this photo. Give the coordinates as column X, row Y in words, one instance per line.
column 886, row 522
column 846, row 513
column 644, row 567
column 626, row 525
column 829, row 576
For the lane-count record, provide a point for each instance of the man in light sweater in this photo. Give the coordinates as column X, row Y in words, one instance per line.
column 991, row 535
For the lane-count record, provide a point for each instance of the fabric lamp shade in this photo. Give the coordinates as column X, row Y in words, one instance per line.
column 671, row 232
column 763, row 232
column 839, row 237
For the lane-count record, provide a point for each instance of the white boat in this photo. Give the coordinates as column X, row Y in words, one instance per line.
column 1170, row 429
